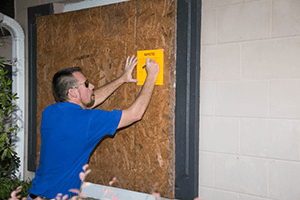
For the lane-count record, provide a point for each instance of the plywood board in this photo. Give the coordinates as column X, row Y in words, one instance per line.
column 99, row 40
column 154, row 143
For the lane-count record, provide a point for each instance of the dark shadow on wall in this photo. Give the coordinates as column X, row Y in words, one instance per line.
column 7, row 8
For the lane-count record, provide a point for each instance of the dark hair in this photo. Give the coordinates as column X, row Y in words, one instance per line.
column 62, row 81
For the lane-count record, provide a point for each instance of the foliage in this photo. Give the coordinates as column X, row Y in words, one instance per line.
column 9, row 161
column 6, row 186
column 15, row 195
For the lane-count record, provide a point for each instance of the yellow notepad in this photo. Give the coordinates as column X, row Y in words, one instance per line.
column 158, row 56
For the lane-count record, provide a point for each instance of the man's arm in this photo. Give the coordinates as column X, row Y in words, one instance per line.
column 103, row 92
column 137, row 109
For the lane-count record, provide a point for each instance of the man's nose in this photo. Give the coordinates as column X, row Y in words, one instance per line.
column 91, row 86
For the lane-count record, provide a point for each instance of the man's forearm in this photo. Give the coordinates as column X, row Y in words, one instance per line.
column 103, row 92
column 137, row 109
column 143, row 99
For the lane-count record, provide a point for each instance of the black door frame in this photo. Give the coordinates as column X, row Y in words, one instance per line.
column 33, row 13
column 187, row 99
column 187, row 94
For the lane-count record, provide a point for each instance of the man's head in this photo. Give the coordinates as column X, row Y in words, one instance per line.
column 71, row 85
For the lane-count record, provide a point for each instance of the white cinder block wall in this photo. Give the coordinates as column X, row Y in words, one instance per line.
column 250, row 100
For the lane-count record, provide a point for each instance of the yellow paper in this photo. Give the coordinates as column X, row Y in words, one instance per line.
column 158, row 56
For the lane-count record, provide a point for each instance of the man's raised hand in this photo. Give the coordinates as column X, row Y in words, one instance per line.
column 130, row 64
column 152, row 67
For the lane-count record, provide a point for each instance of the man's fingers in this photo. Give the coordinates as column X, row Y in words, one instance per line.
column 132, row 64
column 131, row 61
column 132, row 81
column 132, row 57
column 150, row 61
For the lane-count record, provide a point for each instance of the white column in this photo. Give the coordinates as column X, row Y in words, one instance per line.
column 18, row 86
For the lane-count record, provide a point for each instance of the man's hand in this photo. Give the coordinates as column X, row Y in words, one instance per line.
column 152, row 67
column 127, row 74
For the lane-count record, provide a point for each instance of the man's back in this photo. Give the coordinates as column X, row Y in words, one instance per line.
column 69, row 134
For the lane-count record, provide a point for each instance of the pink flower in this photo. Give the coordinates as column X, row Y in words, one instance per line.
column 76, row 191
column 113, row 181
column 58, row 196
column 115, row 198
column 198, row 198
column 15, row 192
column 82, row 195
column 86, row 184
column 156, row 195
column 106, row 191
column 82, row 175
column 85, row 167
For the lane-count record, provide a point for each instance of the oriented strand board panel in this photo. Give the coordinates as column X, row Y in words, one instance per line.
column 155, row 133
column 99, row 41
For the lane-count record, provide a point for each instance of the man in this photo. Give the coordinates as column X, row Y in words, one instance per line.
column 70, row 131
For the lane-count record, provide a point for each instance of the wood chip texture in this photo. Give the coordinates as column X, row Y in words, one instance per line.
column 99, row 40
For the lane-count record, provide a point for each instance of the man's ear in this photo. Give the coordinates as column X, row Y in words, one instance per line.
column 72, row 94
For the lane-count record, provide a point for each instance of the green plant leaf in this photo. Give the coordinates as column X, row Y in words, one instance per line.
column 9, row 159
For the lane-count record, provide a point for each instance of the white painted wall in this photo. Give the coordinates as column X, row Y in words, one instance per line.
column 250, row 100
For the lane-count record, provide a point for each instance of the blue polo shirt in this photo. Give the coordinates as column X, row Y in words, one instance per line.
column 69, row 134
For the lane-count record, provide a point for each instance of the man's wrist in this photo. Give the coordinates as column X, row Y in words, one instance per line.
column 122, row 79
column 152, row 77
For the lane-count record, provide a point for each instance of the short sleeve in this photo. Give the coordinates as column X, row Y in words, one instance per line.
column 102, row 123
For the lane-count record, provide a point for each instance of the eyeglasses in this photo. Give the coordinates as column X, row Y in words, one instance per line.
column 86, row 83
